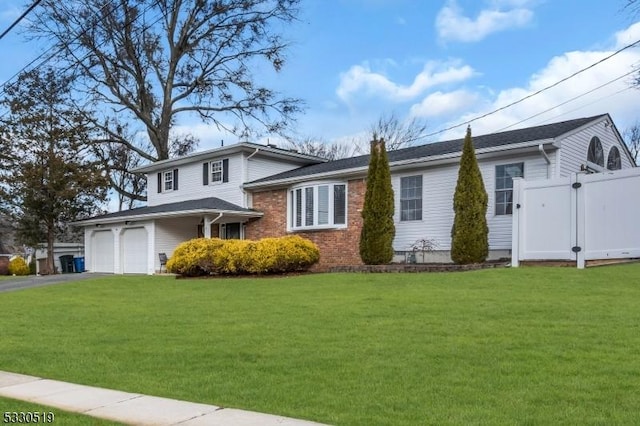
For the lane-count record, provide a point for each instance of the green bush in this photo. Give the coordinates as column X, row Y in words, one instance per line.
column 469, row 233
column 266, row 256
column 378, row 229
column 18, row 266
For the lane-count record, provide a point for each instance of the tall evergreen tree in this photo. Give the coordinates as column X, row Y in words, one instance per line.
column 378, row 230
column 470, row 233
column 51, row 181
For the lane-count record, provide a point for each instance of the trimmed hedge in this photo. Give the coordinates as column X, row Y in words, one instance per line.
column 204, row 256
column 18, row 266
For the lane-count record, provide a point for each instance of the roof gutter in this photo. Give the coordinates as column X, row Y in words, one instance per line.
column 164, row 215
column 396, row 165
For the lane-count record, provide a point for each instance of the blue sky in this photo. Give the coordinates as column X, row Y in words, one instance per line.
column 444, row 61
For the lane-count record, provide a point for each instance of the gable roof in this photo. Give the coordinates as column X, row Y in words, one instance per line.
column 248, row 147
column 210, row 205
column 507, row 140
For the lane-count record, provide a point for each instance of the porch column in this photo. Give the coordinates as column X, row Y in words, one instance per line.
column 208, row 220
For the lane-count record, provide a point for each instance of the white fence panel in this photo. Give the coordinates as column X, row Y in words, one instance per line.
column 611, row 207
column 544, row 219
column 580, row 218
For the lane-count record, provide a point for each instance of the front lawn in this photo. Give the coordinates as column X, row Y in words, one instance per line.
column 504, row 346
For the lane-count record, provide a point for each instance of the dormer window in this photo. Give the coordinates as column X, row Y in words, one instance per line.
column 168, row 180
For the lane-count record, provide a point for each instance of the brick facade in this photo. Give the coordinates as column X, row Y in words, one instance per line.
column 338, row 247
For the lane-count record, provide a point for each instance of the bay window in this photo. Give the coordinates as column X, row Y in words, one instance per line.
column 318, row 206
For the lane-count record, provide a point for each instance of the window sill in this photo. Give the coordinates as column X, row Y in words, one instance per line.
column 318, row 228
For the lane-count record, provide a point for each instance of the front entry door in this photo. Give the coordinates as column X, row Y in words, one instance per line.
column 231, row 231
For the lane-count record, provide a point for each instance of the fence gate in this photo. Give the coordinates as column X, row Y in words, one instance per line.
column 578, row 218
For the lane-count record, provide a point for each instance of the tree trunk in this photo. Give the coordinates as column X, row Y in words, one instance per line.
column 50, row 241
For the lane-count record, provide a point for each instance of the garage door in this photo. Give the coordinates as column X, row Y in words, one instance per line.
column 102, row 251
column 134, row 251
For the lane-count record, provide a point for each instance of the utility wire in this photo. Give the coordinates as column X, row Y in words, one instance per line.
column 571, row 100
column 17, row 21
column 635, row 43
column 65, row 46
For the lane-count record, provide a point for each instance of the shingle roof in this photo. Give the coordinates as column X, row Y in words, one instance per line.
column 547, row 131
column 211, row 203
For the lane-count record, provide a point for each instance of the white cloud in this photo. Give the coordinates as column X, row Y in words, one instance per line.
column 617, row 98
column 453, row 25
column 360, row 79
column 627, row 36
column 439, row 104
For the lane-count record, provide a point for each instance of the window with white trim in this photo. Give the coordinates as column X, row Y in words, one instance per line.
column 504, row 186
column 318, row 206
column 614, row 161
column 168, row 180
column 411, row 198
column 216, row 171
column 595, row 154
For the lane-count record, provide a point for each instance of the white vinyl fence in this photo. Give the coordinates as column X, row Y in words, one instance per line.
column 579, row 218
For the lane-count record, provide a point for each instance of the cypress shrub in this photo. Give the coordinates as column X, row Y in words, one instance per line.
column 470, row 233
column 378, row 230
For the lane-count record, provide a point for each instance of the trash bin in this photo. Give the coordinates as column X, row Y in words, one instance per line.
column 78, row 263
column 66, row 263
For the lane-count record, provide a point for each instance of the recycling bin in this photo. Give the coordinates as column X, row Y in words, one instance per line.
column 78, row 263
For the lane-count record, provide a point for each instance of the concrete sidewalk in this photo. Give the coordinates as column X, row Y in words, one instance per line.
column 130, row 408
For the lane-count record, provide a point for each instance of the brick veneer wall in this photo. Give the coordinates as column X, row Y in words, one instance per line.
column 338, row 247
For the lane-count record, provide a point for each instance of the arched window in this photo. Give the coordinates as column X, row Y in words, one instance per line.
column 595, row 153
column 613, row 160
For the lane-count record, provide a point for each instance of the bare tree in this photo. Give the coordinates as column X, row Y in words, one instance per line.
column 321, row 148
column 152, row 61
column 398, row 133
column 632, row 140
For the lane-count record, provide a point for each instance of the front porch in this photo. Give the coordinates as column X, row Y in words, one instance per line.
column 129, row 242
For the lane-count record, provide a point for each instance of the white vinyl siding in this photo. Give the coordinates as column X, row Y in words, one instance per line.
column 437, row 212
column 192, row 188
column 573, row 151
column 171, row 232
column 260, row 167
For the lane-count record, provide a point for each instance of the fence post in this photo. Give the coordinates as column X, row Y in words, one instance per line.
column 515, row 222
column 580, row 206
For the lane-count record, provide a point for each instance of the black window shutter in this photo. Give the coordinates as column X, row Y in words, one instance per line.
column 225, row 170
column 159, row 182
column 205, row 174
column 175, row 179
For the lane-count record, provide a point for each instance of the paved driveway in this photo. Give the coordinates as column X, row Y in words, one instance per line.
column 19, row 283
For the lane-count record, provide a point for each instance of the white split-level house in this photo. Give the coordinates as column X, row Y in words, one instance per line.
column 252, row 191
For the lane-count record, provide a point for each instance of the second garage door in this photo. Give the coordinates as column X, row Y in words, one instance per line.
column 134, row 251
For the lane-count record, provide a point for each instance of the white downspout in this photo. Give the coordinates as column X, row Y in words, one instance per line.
column 246, row 177
column 546, row 158
column 207, row 225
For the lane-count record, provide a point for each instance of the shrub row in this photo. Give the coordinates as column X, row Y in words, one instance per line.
column 203, row 256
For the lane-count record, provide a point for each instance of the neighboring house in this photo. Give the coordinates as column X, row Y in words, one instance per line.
column 252, row 191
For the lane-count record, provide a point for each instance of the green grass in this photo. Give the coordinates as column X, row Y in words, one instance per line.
column 60, row 417
column 506, row 346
